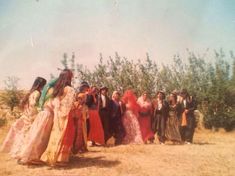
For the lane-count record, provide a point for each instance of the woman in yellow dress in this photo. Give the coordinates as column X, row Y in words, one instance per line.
column 63, row 97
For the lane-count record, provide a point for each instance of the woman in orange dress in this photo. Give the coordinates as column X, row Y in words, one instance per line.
column 80, row 115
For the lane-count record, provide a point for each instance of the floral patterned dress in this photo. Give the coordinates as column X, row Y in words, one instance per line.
column 19, row 129
column 37, row 137
column 132, row 127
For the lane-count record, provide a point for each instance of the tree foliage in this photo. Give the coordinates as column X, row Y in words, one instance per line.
column 213, row 84
column 11, row 96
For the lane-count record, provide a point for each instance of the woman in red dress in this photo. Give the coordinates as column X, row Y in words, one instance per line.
column 80, row 117
column 96, row 132
column 144, row 119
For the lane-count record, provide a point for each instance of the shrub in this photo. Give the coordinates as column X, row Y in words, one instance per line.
column 11, row 95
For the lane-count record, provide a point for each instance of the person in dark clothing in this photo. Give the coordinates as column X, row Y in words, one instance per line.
column 116, row 127
column 159, row 119
column 172, row 128
column 187, row 119
column 105, row 108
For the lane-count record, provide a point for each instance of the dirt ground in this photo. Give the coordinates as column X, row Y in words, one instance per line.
column 212, row 154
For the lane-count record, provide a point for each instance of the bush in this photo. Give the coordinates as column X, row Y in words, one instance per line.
column 224, row 120
column 211, row 83
column 11, row 96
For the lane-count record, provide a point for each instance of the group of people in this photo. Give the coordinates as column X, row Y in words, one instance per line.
column 58, row 120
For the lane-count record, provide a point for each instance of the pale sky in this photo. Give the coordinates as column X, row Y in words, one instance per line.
column 34, row 34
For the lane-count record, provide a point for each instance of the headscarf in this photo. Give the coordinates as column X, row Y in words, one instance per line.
column 130, row 99
column 44, row 97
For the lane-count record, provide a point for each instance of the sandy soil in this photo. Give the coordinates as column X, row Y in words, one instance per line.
column 213, row 154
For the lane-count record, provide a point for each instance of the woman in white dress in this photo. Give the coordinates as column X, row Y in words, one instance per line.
column 16, row 135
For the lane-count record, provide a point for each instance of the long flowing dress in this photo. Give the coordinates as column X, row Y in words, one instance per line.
column 96, row 132
column 145, row 119
column 159, row 119
column 132, row 127
column 37, row 137
column 80, row 115
column 16, row 135
column 172, row 126
column 55, row 150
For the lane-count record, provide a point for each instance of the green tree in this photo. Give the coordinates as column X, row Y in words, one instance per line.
column 11, row 95
column 213, row 84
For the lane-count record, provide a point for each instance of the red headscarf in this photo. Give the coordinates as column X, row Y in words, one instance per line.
column 130, row 99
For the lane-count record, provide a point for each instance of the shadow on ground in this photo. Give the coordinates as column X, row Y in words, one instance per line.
column 101, row 161
column 83, row 162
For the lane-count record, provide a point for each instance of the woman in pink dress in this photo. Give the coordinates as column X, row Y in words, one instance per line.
column 145, row 114
column 16, row 135
column 130, row 119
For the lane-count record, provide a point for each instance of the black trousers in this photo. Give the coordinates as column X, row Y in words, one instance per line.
column 105, row 120
column 161, row 127
column 187, row 132
column 117, row 129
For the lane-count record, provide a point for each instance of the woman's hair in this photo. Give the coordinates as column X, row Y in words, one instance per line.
column 64, row 80
column 37, row 85
column 114, row 93
column 163, row 94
